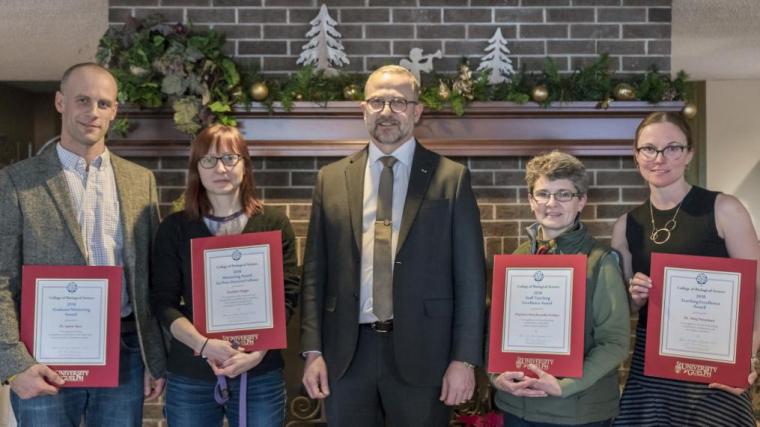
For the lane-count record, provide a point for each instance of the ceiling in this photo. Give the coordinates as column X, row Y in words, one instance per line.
column 39, row 39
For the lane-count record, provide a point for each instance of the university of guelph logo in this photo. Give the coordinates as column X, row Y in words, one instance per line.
column 695, row 370
column 72, row 287
column 538, row 276
column 236, row 255
column 543, row 364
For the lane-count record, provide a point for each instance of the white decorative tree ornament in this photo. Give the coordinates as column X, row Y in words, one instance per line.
column 418, row 62
column 496, row 60
column 324, row 48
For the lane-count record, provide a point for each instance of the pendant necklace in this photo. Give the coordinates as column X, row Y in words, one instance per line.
column 224, row 218
column 662, row 235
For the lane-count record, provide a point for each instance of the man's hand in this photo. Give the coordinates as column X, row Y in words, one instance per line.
column 152, row 388
column 546, row 382
column 239, row 363
column 37, row 380
column 315, row 376
column 458, row 384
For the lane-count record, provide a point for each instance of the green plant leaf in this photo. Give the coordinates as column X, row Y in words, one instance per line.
column 218, row 107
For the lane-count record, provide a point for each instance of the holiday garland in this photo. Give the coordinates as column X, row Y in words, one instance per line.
column 158, row 64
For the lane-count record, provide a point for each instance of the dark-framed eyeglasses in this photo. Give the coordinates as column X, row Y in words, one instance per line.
column 542, row 197
column 671, row 152
column 398, row 105
column 228, row 159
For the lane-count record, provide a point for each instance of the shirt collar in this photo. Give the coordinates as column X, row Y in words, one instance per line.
column 71, row 161
column 404, row 153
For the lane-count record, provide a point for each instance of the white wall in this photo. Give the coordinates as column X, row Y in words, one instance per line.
column 733, row 141
column 39, row 39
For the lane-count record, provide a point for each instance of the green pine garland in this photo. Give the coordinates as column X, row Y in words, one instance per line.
column 157, row 64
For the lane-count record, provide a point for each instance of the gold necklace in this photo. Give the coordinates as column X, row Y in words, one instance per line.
column 662, row 235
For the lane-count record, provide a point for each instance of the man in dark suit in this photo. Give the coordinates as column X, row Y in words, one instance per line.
column 393, row 289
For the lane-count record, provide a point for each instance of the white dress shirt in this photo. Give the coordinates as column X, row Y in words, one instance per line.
column 404, row 154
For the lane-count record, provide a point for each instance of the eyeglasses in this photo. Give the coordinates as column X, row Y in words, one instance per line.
column 228, row 159
column 542, row 197
column 398, row 105
column 671, row 152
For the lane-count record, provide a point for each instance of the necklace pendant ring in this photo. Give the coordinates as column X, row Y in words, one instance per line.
column 660, row 236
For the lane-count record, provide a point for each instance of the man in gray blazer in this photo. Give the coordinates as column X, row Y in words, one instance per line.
column 394, row 274
column 78, row 204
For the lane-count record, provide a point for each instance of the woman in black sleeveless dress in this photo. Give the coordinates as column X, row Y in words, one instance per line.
column 682, row 219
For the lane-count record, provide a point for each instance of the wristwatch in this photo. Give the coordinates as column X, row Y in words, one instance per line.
column 468, row 365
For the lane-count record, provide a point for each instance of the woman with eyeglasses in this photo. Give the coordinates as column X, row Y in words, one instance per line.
column 678, row 218
column 557, row 191
column 219, row 200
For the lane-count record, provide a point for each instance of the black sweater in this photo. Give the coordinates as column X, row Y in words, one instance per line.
column 171, row 283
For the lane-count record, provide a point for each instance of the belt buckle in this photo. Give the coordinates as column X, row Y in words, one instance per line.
column 382, row 327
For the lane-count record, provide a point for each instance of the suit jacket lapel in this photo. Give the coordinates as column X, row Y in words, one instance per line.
column 128, row 213
column 59, row 191
column 355, row 187
column 423, row 168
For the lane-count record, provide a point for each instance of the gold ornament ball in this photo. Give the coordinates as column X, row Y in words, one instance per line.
column 539, row 93
column 259, row 91
column 351, row 92
column 689, row 110
column 624, row 92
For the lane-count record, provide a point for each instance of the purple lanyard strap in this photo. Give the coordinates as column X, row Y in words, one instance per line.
column 222, row 394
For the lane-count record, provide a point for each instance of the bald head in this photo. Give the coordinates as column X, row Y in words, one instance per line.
column 396, row 73
column 76, row 68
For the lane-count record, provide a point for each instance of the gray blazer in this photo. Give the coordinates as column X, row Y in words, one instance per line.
column 38, row 225
column 438, row 276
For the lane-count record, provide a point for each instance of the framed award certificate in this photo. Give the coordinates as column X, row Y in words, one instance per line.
column 700, row 320
column 70, row 321
column 537, row 314
column 238, row 290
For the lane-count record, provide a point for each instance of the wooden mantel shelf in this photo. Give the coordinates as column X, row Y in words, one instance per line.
column 337, row 129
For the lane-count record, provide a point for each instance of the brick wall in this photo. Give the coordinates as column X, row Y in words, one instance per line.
column 287, row 183
column 270, row 33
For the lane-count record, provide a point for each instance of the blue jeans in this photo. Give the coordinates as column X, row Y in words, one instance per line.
column 190, row 402
column 118, row 406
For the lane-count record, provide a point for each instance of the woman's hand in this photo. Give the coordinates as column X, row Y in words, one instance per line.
column 638, row 287
column 217, row 351
column 546, row 382
column 238, row 363
column 736, row 390
column 517, row 384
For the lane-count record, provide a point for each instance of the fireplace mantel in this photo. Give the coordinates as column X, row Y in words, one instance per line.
column 337, row 129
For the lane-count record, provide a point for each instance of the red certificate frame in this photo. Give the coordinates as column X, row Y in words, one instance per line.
column 556, row 364
column 80, row 375
column 698, row 369
column 273, row 337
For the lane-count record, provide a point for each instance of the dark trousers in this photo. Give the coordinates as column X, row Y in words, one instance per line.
column 513, row 421
column 372, row 393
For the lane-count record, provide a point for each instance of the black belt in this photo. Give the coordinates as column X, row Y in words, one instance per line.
column 381, row 327
column 128, row 324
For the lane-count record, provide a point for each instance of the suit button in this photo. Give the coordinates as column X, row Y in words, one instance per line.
column 355, row 295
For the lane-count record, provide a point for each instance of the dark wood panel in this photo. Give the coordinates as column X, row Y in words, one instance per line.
column 337, row 129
